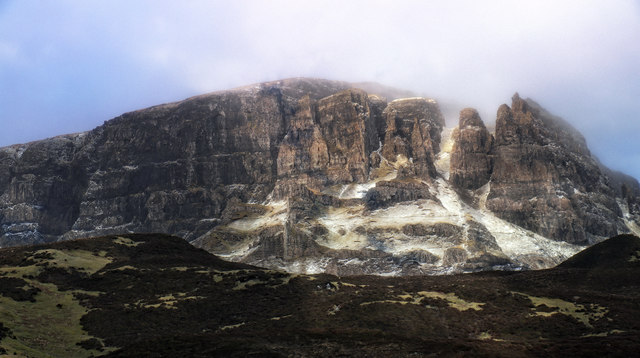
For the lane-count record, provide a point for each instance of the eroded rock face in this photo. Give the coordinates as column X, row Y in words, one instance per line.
column 42, row 187
column 472, row 154
column 169, row 167
column 330, row 139
column 413, row 129
column 544, row 178
column 316, row 176
column 387, row 193
column 175, row 167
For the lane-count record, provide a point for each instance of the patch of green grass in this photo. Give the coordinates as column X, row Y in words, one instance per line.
column 80, row 260
column 416, row 299
column 166, row 301
column 268, row 278
column 580, row 312
column 453, row 300
column 603, row 334
column 48, row 327
column 126, row 241
column 20, row 271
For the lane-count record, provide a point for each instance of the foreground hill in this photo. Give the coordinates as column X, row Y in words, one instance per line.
column 155, row 295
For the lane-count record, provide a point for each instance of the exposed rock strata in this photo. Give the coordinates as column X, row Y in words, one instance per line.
column 544, row 178
column 471, row 156
column 329, row 141
column 413, row 129
column 314, row 175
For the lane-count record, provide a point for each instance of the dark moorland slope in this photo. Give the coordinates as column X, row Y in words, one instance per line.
column 152, row 295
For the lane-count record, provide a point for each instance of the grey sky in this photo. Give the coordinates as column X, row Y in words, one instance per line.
column 67, row 66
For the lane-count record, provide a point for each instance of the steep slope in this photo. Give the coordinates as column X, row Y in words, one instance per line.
column 313, row 175
column 154, row 295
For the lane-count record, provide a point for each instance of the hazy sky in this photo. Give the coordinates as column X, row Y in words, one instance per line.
column 67, row 66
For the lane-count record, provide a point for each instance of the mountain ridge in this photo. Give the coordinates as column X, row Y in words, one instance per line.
column 311, row 175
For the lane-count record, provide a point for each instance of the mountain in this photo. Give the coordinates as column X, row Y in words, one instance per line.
column 154, row 295
column 311, row 176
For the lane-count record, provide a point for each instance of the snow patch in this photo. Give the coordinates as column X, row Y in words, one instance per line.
column 512, row 239
column 239, row 254
column 275, row 215
column 627, row 218
column 443, row 159
column 347, row 227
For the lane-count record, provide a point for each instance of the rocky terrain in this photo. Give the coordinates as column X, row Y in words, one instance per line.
column 147, row 295
column 317, row 176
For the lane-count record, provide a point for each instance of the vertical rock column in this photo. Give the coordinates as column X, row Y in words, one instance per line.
column 471, row 157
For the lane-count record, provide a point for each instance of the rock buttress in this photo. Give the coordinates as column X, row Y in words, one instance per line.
column 544, row 178
column 413, row 128
column 472, row 153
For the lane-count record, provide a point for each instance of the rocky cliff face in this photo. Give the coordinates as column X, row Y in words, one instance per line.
column 413, row 129
column 329, row 141
column 472, row 154
column 314, row 175
column 543, row 177
column 563, row 193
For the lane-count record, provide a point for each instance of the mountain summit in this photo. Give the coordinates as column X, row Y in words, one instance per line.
column 312, row 176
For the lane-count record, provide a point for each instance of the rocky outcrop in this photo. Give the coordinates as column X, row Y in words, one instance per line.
column 329, row 142
column 413, row 129
column 472, row 153
column 41, row 188
column 173, row 168
column 544, row 178
column 627, row 189
column 387, row 193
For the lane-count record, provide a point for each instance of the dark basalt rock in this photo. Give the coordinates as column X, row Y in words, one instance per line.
column 413, row 132
column 174, row 167
column 472, row 154
column 41, row 186
column 441, row 230
column 330, row 140
column 544, row 178
column 387, row 193
column 289, row 154
column 454, row 255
